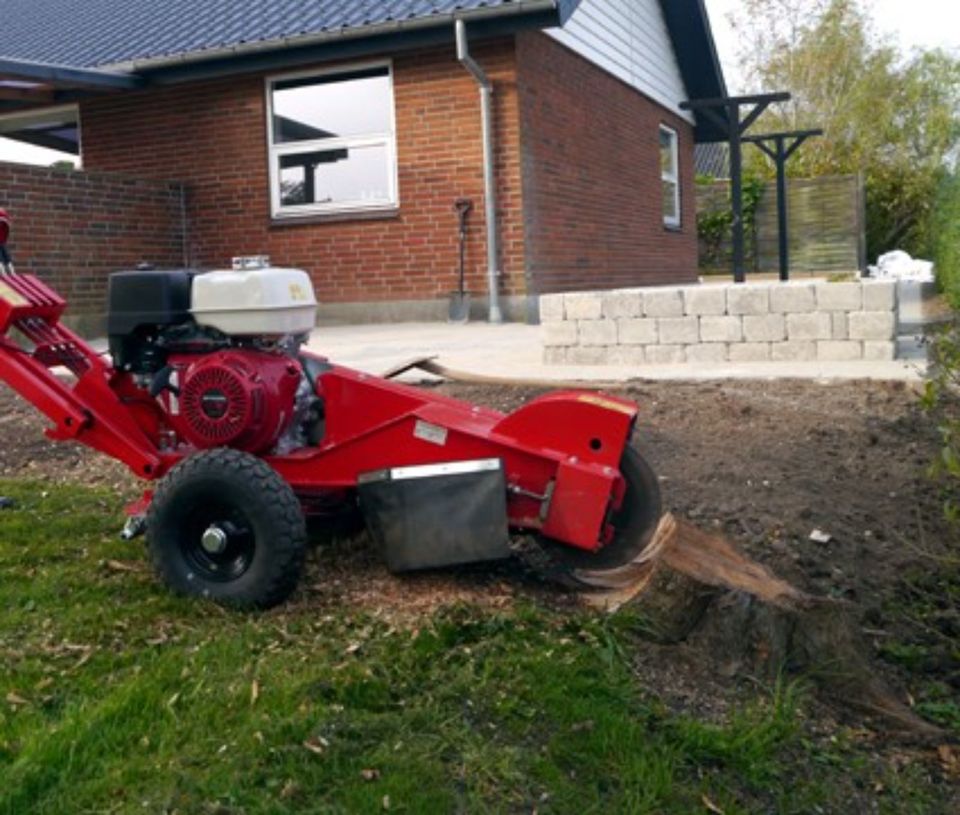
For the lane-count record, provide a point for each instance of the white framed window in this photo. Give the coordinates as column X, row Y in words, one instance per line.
column 332, row 141
column 670, row 176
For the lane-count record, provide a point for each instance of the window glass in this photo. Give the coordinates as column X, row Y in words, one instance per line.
column 332, row 107
column 671, row 212
column 332, row 145
column 670, row 176
column 356, row 175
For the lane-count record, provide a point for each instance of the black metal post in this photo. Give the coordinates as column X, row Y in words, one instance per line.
column 782, row 229
column 736, row 201
column 726, row 113
column 780, row 152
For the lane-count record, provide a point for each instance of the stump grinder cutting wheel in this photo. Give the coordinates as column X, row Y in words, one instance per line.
column 209, row 392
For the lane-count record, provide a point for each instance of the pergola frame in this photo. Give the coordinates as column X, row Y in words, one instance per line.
column 780, row 147
column 728, row 114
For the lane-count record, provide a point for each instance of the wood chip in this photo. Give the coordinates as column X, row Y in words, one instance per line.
column 121, row 566
column 314, row 747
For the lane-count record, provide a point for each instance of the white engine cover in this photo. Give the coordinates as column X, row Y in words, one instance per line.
column 263, row 302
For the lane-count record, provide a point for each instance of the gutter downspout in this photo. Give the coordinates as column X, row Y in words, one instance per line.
column 489, row 180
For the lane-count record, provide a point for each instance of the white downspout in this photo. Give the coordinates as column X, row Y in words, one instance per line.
column 489, row 178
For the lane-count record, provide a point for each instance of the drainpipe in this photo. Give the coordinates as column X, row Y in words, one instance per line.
column 489, row 181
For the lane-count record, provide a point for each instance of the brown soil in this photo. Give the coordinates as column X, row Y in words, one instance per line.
column 765, row 463
column 762, row 463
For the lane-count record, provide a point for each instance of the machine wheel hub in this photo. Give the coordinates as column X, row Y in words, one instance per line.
column 214, row 540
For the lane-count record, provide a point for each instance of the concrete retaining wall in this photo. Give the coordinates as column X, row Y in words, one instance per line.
column 809, row 320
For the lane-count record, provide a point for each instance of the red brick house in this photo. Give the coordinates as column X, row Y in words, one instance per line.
column 336, row 137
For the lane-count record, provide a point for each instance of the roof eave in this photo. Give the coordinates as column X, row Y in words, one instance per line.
column 696, row 50
column 549, row 9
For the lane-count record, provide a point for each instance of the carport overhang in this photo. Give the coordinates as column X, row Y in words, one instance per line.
column 38, row 100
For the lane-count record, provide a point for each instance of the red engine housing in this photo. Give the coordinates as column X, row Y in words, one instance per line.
column 237, row 398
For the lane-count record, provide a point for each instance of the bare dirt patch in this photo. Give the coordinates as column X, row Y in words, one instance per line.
column 764, row 463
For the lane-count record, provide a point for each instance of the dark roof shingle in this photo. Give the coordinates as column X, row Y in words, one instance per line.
column 91, row 33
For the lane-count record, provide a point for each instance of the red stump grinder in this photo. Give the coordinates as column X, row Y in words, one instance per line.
column 208, row 392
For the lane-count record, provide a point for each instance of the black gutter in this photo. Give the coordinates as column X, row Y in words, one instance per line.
column 65, row 76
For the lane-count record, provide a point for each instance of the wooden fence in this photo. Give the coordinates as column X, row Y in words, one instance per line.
column 826, row 218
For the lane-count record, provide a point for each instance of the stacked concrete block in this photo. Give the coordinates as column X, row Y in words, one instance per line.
column 793, row 298
column 622, row 304
column 597, row 332
column 663, row 302
column 642, row 331
column 583, row 306
column 764, row 328
column 721, row 328
column 777, row 322
column 679, row 330
column 748, row 298
column 700, row 301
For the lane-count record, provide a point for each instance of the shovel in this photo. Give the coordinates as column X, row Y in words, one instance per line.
column 460, row 299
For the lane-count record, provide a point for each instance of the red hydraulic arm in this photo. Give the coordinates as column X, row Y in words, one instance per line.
column 86, row 409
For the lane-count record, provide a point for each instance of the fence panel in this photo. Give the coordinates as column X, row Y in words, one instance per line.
column 826, row 221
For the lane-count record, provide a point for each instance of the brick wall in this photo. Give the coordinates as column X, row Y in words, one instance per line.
column 591, row 177
column 74, row 228
column 212, row 136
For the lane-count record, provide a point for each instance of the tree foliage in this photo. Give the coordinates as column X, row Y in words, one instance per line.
column 893, row 117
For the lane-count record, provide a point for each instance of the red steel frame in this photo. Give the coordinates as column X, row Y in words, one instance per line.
column 560, row 453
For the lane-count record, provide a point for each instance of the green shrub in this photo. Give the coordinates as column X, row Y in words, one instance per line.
column 946, row 238
column 715, row 224
column 942, row 400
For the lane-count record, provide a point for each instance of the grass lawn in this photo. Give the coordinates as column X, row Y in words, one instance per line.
column 116, row 697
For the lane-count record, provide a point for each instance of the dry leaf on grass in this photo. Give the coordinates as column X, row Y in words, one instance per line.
column 710, row 806
column 949, row 760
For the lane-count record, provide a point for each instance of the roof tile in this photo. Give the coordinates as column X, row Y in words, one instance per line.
column 90, row 33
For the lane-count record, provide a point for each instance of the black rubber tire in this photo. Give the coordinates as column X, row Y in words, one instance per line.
column 251, row 494
column 635, row 523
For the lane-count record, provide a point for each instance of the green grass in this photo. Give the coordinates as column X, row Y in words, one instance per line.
column 116, row 697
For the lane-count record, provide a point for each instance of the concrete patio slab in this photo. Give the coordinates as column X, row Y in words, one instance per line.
column 514, row 350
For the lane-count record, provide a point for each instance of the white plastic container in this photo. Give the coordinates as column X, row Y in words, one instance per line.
column 261, row 302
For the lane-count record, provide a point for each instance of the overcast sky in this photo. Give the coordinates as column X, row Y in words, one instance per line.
column 911, row 23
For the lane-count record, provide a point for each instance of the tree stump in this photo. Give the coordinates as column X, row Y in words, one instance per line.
column 691, row 582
